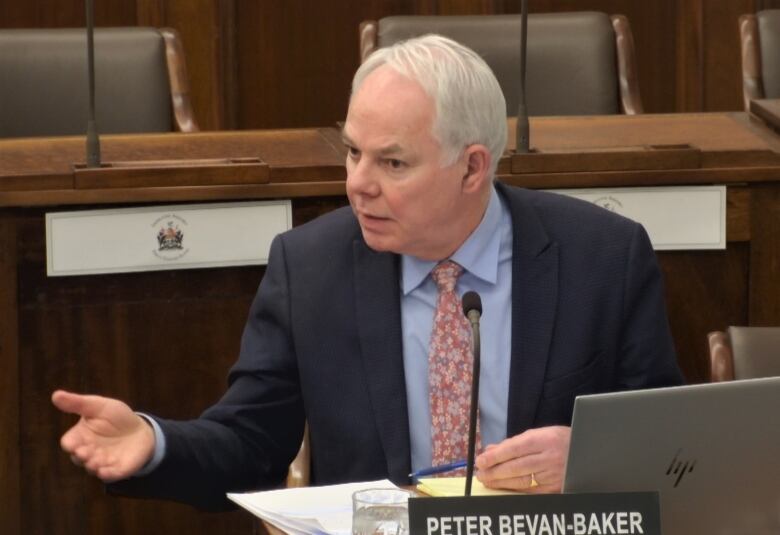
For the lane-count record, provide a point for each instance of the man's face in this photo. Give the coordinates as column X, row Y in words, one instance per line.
column 406, row 202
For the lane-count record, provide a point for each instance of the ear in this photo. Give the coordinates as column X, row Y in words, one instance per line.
column 477, row 168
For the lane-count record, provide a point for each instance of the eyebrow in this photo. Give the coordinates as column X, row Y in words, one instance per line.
column 395, row 148
column 345, row 138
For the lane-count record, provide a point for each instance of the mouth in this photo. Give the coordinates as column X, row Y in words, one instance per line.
column 362, row 214
column 370, row 221
column 370, row 217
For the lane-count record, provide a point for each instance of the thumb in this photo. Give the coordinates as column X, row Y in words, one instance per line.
column 86, row 406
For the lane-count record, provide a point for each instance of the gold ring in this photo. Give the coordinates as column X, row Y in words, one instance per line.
column 533, row 483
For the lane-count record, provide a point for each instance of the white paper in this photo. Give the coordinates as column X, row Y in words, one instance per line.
column 308, row 510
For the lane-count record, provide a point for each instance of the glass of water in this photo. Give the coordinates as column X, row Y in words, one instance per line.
column 380, row 512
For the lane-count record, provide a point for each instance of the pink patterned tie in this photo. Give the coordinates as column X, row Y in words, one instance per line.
column 449, row 370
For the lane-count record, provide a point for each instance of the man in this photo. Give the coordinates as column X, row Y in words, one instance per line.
column 347, row 311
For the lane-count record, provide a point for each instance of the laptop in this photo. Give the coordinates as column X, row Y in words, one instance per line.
column 712, row 451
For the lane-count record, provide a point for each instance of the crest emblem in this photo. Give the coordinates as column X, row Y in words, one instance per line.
column 170, row 237
column 608, row 202
column 169, row 234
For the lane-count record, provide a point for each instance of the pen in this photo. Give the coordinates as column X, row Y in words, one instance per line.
column 438, row 469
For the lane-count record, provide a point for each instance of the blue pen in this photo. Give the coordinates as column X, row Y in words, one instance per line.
column 438, row 469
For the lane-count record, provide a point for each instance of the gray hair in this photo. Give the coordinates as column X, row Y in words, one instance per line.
column 470, row 106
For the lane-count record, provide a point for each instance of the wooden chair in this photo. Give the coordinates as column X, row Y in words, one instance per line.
column 760, row 44
column 299, row 473
column 579, row 63
column 140, row 81
column 744, row 353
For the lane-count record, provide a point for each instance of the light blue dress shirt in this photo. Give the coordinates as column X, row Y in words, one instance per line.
column 486, row 257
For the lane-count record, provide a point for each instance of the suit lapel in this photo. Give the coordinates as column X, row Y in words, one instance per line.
column 534, row 298
column 378, row 306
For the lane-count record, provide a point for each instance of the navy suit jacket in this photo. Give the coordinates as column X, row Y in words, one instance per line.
column 323, row 344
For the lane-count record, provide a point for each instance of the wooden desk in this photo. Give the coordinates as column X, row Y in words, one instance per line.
column 768, row 110
column 149, row 337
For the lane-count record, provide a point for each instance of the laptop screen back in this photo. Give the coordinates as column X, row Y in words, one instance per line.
column 712, row 451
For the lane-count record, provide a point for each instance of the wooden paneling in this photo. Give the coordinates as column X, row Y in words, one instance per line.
column 296, row 59
column 705, row 291
column 150, row 13
column 198, row 23
column 765, row 248
column 65, row 13
column 145, row 338
column 128, row 336
column 722, row 80
column 9, row 379
column 689, row 91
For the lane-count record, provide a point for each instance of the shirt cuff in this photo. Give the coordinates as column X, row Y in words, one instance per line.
column 159, row 447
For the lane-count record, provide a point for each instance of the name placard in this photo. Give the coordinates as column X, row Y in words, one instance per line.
column 625, row 513
column 153, row 238
column 675, row 217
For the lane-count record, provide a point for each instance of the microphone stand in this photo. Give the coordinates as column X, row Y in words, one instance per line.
column 167, row 172
column 523, row 129
column 473, row 316
column 93, row 142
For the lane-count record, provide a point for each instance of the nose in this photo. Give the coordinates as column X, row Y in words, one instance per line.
column 361, row 178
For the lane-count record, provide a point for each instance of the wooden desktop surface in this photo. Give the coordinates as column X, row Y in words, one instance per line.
column 148, row 337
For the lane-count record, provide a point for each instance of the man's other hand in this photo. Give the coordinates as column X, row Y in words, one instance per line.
column 533, row 461
column 109, row 440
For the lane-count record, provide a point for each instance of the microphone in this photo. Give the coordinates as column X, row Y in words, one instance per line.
column 472, row 309
column 93, row 142
column 522, row 129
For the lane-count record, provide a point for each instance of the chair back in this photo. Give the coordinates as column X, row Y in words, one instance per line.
column 44, row 89
column 760, row 47
column 744, row 353
column 299, row 471
column 572, row 62
column 769, row 44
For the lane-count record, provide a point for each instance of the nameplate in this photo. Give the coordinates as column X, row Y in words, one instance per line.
column 625, row 513
column 163, row 237
column 675, row 217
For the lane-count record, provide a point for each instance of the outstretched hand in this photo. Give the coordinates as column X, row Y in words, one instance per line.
column 533, row 461
column 109, row 440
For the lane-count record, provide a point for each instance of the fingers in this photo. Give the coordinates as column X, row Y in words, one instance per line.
column 97, row 463
column 83, row 405
column 529, row 484
column 514, row 450
column 109, row 441
column 525, row 482
column 515, row 473
column 87, row 457
column 533, row 461
column 71, row 440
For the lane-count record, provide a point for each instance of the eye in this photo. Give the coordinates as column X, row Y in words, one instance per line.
column 353, row 152
column 395, row 164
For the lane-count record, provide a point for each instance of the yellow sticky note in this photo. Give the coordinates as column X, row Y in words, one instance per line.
column 455, row 486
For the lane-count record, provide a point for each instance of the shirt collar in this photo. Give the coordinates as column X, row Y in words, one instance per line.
column 478, row 255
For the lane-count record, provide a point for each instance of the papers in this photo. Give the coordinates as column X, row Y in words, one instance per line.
column 455, row 486
column 307, row 510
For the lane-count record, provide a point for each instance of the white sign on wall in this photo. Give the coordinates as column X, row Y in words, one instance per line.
column 675, row 217
column 163, row 237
